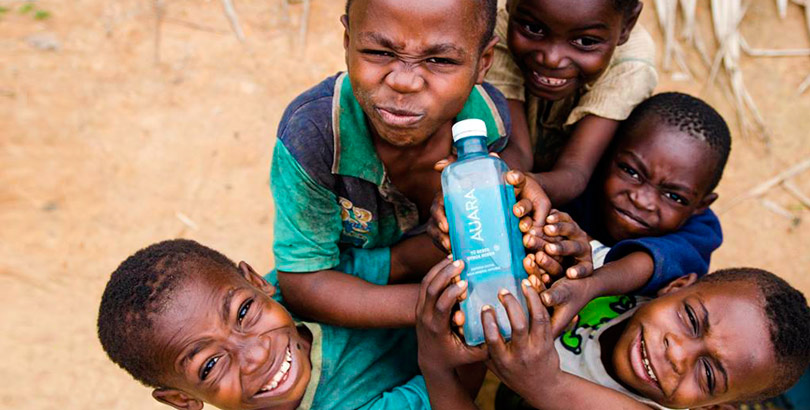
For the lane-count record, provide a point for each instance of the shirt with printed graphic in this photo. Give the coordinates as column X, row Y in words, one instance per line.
column 580, row 349
column 329, row 185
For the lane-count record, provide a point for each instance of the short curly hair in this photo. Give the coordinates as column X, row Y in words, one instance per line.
column 788, row 322
column 486, row 17
column 693, row 117
column 138, row 292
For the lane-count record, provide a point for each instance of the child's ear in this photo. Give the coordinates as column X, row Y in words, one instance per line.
column 177, row 399
column 255, row 279
column 678, row 284
column 705, row 202
column 629, row 21
column 344, row 19
column 486, row 59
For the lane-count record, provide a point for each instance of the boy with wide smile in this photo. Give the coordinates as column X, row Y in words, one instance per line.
column 734, row 335
column 186, row 321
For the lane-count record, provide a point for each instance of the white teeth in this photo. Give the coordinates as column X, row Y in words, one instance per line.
column 285, row 368
column 646, row 362
column 554, row 82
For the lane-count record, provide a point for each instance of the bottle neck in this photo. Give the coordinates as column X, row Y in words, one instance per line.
column 471, row 147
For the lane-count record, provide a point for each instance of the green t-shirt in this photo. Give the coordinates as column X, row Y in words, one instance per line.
column 330, row 188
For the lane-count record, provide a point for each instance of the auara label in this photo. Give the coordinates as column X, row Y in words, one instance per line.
column 483, row 240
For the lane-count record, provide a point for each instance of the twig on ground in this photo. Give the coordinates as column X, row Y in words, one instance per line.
column 230, row 13
column 187, row 221
column 765, row 186
column 194, row 26
column 804, row 85
column 797, row 193
column 779, row 210
column 302, row 34
column 160, row 10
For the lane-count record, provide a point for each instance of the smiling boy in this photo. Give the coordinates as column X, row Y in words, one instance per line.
column 185, row 320
column 352, row 175
column 734, row 335
column 647, row 208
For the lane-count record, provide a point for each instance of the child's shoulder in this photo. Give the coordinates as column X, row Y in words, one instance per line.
column 639, row 47
column 313, row 107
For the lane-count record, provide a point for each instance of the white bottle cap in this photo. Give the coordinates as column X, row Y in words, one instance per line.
column 469, row 128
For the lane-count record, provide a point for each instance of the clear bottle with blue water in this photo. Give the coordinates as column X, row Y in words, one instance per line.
column 484, row 232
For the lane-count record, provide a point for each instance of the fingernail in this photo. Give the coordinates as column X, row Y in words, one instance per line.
column 546, row 298
column 462, row 284
column 485, row 308
column 450, row 256
column 573, row 273
column 554, row 248
column 443, row 226
column 526, row 283
column 457, row 263
column 533, row 232
column 552, row 228
column 503, row 292
column 520, row 210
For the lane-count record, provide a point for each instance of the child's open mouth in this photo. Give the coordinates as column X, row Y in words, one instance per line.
column 280, row 376
column 641, row 363
column 646, row 360
column 549, row 81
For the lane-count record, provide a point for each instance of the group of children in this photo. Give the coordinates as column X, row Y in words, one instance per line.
column 614, row 187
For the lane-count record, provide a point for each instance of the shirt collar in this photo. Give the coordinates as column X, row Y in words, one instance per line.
column 316, row 358
column 354, row 153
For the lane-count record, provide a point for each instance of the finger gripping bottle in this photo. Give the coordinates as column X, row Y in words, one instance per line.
column 483, row 231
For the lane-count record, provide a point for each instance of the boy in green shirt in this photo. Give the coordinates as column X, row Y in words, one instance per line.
column 353, row 168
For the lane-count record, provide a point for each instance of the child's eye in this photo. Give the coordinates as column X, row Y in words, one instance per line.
column 587, row 42
column 677, row 198
column 440, row 61
column 710, row 381
column 378, row 53
column 206, row 369
column 532, row 28
column 692, row 319
column 629, row 171
column 243, row 311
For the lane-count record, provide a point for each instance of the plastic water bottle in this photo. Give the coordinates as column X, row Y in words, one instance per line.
column 484, row 232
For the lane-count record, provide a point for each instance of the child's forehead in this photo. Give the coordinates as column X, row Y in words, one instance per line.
column 416, row 21
column 573, row 12
column 651, row 132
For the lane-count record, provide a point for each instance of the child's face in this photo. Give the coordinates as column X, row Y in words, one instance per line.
column 561, row 45
column 226, row 342
column 704, row 344
column 410, row 66
column 655, row 180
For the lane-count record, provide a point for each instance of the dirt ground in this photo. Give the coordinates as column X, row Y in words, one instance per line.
column 103, row 150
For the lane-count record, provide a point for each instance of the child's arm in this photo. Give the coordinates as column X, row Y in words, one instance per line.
column 441, row 352
column 334, row 297
column 337, row 298
column 575, row 165
column 529, row 363
column 640, row 266
column 518, row 154
column 684, row 251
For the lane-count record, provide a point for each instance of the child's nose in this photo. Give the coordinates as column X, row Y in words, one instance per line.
column 552, row 56
column 681, row 351
column 404, row 79
column 643, row 197
column 254, row 353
